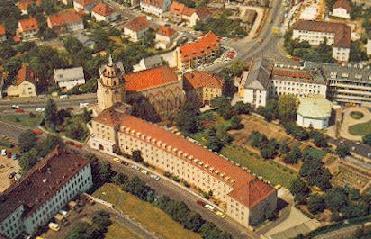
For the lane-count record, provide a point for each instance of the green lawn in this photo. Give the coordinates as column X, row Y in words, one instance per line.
column 361, row 129
column 153, row 218
column 269, row 170
column 356, row 115
column 22, row 119
column 116, row 231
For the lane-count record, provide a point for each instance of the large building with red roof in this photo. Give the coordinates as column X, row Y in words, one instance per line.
column 165, row 37
column 244, row 198
column 204, row 50
column 28, row 28
column 202, row 87
column 136, row 28
column 42, row 192
column 192, row 16
column 337, row 35
column 67, row 20
column 103, row 12
column 23, row 5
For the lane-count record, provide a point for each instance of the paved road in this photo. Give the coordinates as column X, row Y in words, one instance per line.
column 10, row 130
column 361, row 149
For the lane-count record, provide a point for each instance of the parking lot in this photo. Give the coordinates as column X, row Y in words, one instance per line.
column 7, row 166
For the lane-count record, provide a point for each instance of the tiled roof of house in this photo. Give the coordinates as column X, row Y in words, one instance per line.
column 25, row 74
column 64, row 18
column 84, row 2
column 203, row 13
column 24, row 4
column 166, row 31
column 41, row 183
column 103, row 9
column 150, row 78
column 247, row 189
column 138, row 24
column 2, row 30
column 288, row 74
column 181, row 9
column 155, row 3
column 200, row 79
column 201, row 46
column 342, row 32
column 345, row 4
column 28, row 24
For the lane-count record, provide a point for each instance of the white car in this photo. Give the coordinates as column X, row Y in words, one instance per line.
column 84, row 105
column 211, row 208
column 15, row 106
column 63, row 97
column 40, row 109
column 116, row 160
column 144, row 171
column 155, row 177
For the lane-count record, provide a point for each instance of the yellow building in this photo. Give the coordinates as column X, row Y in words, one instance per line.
column 25, row 85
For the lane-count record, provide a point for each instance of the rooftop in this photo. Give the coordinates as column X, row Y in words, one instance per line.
column 342, row 32
column 315, row 107
column 259, row 74
column 200, row 79
column 2, row 30
column 103, row 9
column 283, row 73
column 151, row 78
column 41, row 183
column 28, row 24
column 138, row 24
column 345, row 4
column 84, row 2
column 68, row 74
column 166, row 31
column 155, row 3
column 24, row 4
column 247, row 189
column 65, row 17
column 25, row 74
column 202, row 46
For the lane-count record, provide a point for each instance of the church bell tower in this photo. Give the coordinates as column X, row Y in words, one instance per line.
column 111, row 86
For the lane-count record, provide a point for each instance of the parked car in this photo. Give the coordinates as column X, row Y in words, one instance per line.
column 40, row 109
column 155, row 177
column 15, row 107
column 208, row 206
column 84, row 105
column 54, row 226
column 62, row 97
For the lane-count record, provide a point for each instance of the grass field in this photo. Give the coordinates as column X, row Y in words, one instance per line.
column 151, row 217
column 361, row 129
column 356, row 115
column 22, row 119
column 269, row 170
column 116, row 231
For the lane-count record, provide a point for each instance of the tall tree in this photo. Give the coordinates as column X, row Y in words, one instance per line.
column 51, row 114
column 287, row 106
column 26, row 140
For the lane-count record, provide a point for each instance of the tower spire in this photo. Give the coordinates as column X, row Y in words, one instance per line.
column 110, row 63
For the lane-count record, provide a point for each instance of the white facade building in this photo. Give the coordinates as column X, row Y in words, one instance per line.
column 315, row 33
column 136, row 28
column 69, row 78
column 103, row 12
column 84, row 5
column 314, row 112
column 46, row 189
column 342, row 9
column 155, row 7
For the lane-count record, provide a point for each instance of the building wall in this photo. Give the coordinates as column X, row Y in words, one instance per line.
column 148, row 8
column 68, row 85
column 26, row 35
column 257, row 98
column 197, row 61
column 203, row 95
column 79, row 183
column 114, row 16
column 134, row 36
column 315, row 123
column 341, row 13
column 268, row 205
column 345, row 90
column 299, row 88
column 341, row 54
column 25, row 89
column 108, row 96
column 163, row 41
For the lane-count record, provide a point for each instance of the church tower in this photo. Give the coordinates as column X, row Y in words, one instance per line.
column 111, row 86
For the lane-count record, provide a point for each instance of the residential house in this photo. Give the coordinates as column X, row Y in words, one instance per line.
column 337, row 35
column 84, row 6
column 23, row 5
column 148, row 63
column 192, row 16
column 25, row 85
column 136, row 28
column 28, row 28
column 67, row 20
column 155, row 7
column 165, row 37
column 42, row 192
column 2, row 33
column 69, row 78
column 204, row 50
column 202, row 87
column 342, row 9
column 103, row 12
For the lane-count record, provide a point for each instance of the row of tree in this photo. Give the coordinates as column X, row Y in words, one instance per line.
column 177, row 210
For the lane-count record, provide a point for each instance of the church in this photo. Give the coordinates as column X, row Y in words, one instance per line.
column 244, row 198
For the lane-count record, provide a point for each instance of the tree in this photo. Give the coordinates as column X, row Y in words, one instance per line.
column 26, row 140
column 319, row 139
column 316, row 203
column 258, row 140
column 284, row 148
column 356, row 52
column 28, row 160
column 342, row 150
column 367, row 139
column 242, row 108
column 105, row 172
column 299, row 189
column 335, row 199
column 213, row 142
column 287, row 106
column 137, row 156
column 51, row 114
column 76, row 129
column 270, row 111
column 187, row 120
column 236, row 123
column 120, row 179
column 293, row 156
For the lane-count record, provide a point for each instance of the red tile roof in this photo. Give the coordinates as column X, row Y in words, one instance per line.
column 28, row 24
column 64, row 18
column 247, row 189
column 181, row 9
column 166, row 31
column 25, row 74
column 138, row 24
column 201, row 79
column 292, row 73
column 155, row 3
column 345, row 4
column 2, row 30
column 200, row 47
column 342, row 32
column 103, row 9
column 24, row 4
column 41, row 183
column 148, row 79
